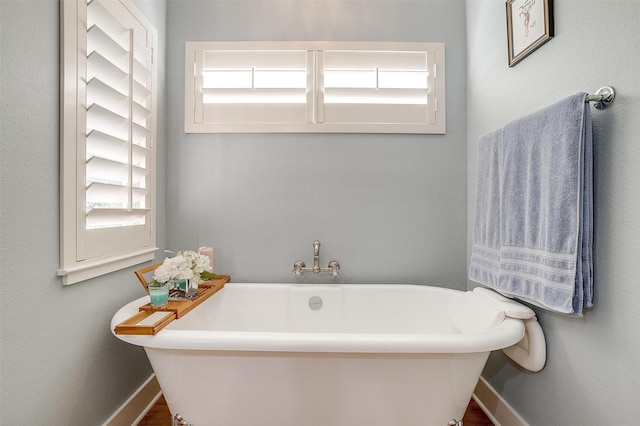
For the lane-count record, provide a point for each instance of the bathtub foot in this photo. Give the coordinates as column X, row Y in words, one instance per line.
column 178, row 420
column 454, row 422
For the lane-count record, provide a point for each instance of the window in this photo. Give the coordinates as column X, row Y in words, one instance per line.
column 314, row 87
column 108, row 118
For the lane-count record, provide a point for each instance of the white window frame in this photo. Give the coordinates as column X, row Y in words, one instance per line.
column 88, row 253
column 320, row 116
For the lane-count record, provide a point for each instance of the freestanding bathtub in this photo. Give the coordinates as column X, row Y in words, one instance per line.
column 326, row 355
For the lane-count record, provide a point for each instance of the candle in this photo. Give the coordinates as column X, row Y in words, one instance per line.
column 207, row 251
column 159, row 294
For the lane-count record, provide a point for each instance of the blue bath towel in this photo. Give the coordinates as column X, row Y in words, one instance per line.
column 533, row 224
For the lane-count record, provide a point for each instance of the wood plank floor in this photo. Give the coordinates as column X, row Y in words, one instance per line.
column 159, row 415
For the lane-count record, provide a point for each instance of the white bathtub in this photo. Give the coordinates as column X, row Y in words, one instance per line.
column 326, row 355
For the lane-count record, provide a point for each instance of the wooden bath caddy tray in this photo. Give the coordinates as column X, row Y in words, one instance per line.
column 151, row 320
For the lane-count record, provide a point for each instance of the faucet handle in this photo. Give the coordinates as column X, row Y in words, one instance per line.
column 335, row 268
column 298, row 266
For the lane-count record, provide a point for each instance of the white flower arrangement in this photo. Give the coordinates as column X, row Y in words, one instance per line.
column 185, row 265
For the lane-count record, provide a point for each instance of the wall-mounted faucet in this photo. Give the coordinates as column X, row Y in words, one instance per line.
column 333, row 267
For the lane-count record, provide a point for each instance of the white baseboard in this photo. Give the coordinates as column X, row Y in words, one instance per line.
column 495, row 407
column 136, row 407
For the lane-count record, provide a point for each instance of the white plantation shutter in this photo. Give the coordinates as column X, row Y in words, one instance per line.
column 383, row 87
column 108, row 199
column 314, row 87
column 252, row 86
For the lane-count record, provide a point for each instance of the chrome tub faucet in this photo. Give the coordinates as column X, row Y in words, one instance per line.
column 333, row 267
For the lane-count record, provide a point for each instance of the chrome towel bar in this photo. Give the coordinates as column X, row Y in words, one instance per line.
column 603, row 97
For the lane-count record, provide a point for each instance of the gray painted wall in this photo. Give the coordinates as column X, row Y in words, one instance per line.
column 389, row 208
column 592, row 376
column 59, row 363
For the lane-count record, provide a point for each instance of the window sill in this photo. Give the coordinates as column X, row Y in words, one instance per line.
column 82, row 271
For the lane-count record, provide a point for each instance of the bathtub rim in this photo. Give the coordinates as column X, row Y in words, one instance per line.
column 507, row 333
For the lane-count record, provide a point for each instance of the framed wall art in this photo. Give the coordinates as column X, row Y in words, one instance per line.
column 529, row 26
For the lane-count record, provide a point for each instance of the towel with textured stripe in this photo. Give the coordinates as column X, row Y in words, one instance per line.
column 533, row 224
